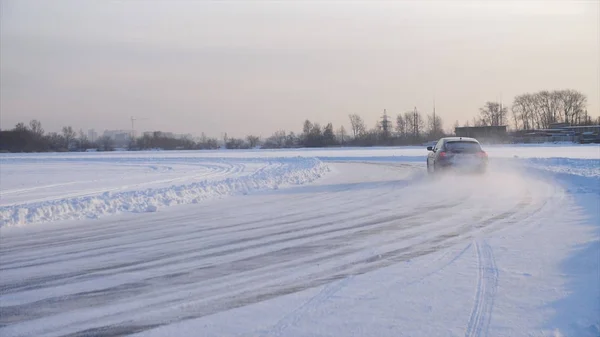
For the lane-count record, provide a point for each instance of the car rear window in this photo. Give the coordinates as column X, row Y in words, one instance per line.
column 463, row 146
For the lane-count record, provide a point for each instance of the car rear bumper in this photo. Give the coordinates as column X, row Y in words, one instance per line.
column 459, row 167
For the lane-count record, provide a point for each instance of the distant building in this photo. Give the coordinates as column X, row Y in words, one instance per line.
column 92, row 135
column 483, row 133
column 559, row 132
column 121, row 138
column 159, row 134
column 558, row 125
column 167, row 135
column 583, row 129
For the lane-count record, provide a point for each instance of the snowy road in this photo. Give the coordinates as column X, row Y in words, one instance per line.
column 369, row 249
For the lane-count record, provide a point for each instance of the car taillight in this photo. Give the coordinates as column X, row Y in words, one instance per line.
column 482, row 154
column 442, row 154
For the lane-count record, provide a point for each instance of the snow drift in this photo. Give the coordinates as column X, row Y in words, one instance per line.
column 277, row 172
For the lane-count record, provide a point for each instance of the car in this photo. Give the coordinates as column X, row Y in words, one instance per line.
column 461, row 154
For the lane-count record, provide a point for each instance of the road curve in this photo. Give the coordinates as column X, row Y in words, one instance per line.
column 129, row 273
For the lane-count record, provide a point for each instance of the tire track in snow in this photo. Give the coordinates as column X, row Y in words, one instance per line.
column 487, row 284
column 74, row 235
column 328, row 227
column 403, row 251
column 222, row 249
column 209, row 239
column 211, row 173
column 248, row 293
column 279, row 224
column 296, row 315
column 315, row 280
column 132, row 226
column 96, row 203
column 255, row 283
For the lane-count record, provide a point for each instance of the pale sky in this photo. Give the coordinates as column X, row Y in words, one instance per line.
column 254, row 67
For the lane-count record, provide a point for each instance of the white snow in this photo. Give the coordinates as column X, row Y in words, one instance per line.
column 323, row 242
column 59, row 188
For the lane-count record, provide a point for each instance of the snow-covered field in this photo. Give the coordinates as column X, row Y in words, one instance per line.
column 322, row 242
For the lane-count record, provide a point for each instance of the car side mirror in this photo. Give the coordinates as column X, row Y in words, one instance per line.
column 430, row 148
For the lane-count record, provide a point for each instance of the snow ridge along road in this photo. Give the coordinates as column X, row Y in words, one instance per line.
column 367, row 249
column 208, row 179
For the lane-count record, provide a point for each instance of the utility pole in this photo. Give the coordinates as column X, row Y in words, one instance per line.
column 133, row 125
column 416, row 123
column 501, row 112
column 435, row 130
column 385, row 124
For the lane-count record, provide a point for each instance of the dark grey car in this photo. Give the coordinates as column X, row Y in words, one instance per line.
column 457, row 153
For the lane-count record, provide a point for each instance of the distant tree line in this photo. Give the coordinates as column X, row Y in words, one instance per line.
column 409, row 128
column 159, row 140
column 529, row 111
column 32, row 138
column 538, row 111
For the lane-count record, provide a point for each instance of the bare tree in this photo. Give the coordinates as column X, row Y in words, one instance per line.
column 549, row 105
column 493, row 114
column 82, row 135
column 36, row 128
column 235, row 143
column 540, row 109
column 585, row 119
column 20, row 127
column 306, row 130
column 314, row 137
column 83, row 140
column 203, row 138
column 56, row 141
column 415, row 124
column 358, row 125
column 515, row 119
column 534, row 111
column 409, row 120
column 435, row 126
column 573, row 105
column 290, row 140
column 253, row 141
column 277, row 140
column 328, row 135
column 341, row 134
column 105, row 143
column 401, row 125
column 69, row 135
column 477, row 122
column 307, row 127
column 521, row 112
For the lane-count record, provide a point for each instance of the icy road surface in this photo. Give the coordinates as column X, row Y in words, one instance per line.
column 295, row 246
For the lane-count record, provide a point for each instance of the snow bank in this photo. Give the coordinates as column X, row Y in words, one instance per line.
column 279, row 172
column 579, row 167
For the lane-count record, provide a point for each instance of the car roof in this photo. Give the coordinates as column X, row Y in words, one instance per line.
column 459, row 139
